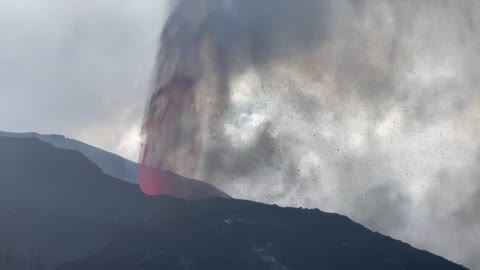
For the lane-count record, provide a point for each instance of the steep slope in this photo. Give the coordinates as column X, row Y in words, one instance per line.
column 57, row 206
column 110, row 164
column 34, row 173
column 120, row 168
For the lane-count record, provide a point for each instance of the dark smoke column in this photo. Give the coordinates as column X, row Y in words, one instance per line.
column 170, row 126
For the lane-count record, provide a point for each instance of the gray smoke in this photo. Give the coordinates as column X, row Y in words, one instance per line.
column 368, row 108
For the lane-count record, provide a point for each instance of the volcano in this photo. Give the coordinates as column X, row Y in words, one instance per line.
column 58, row 210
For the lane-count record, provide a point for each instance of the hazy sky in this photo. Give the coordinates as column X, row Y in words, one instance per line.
column 380, row 122
column 78, row 68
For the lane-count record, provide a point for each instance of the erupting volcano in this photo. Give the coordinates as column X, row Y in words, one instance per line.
column 170, row 121
column 205, row 46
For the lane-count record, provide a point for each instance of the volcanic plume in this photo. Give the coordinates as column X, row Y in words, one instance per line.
column 365, row 108
column 172, row 121
column 199, row 43
column 169, row 139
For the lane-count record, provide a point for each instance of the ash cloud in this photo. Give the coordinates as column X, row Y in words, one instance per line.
column 367, row 108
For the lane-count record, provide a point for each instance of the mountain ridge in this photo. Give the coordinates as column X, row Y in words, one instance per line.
column 57, row 205
column 112, row 164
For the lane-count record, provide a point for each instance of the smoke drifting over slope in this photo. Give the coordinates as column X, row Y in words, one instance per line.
column 367, row 108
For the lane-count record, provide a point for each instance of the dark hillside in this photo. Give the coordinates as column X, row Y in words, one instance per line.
column 58, row 208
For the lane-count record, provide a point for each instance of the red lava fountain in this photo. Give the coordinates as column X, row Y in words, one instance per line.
column 170, row 128
column 152, row 179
